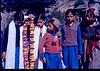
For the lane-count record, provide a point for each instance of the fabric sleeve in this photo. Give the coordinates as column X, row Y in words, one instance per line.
column 62, row 35
column 41, row 46
column 79, row 39
column 5, row 40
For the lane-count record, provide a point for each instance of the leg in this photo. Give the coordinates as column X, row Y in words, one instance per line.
column 1, row 63
column 53, row 61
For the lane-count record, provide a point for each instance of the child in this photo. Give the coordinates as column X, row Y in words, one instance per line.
column 51, row 55
column 71, row 41
column 40, row 30
column 89, row 33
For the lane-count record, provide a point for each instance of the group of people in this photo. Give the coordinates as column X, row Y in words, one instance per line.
column 32, row 42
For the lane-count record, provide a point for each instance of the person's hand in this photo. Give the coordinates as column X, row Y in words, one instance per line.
column 61, row 55
column 44, row 59
column 79, row 57
column 3, row 55
column 90, row 59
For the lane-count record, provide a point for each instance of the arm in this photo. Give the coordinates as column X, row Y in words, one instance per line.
column 62, row 35
column 5, row 40
column 79, row 39
column 57, row 36
column 59, row 33
column 41, row 45
column 4, row 43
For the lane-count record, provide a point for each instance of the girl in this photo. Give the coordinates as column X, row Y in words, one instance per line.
column 39, row 32
column 51, row 55
column 89, row 33
column 71, row 41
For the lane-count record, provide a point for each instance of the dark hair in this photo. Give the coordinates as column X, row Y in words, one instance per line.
column 70, row 10
column 41, row 16
column 52, row 21
column 91, row 15
column 19, row 17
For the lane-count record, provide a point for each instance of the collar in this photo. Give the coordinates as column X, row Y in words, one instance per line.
column 52, row 33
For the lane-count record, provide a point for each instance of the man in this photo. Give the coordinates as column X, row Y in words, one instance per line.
column 11, row 43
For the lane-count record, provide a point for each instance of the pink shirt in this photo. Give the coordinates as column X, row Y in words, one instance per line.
column 46, row 42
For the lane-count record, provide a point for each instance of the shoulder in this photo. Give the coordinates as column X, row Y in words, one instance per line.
column 36, row 27
column 47, row 34
column 44, row 27
column 62, row 26
column 97, row 26
column 78, row 25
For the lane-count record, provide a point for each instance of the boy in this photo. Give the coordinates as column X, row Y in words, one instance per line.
column 51, row 55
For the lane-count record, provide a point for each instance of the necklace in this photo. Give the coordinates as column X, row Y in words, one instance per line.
column 28, row 48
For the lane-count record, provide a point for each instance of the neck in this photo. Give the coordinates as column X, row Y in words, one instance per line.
column 52, row 32
column 40, row 27
column 92, row 25
column 71, row 24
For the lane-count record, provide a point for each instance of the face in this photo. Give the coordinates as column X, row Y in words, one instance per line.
column 90, row 19
column 98, row 43
column 50, row 27
column 18, row 23
column 40, row 23
column 70, row 17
